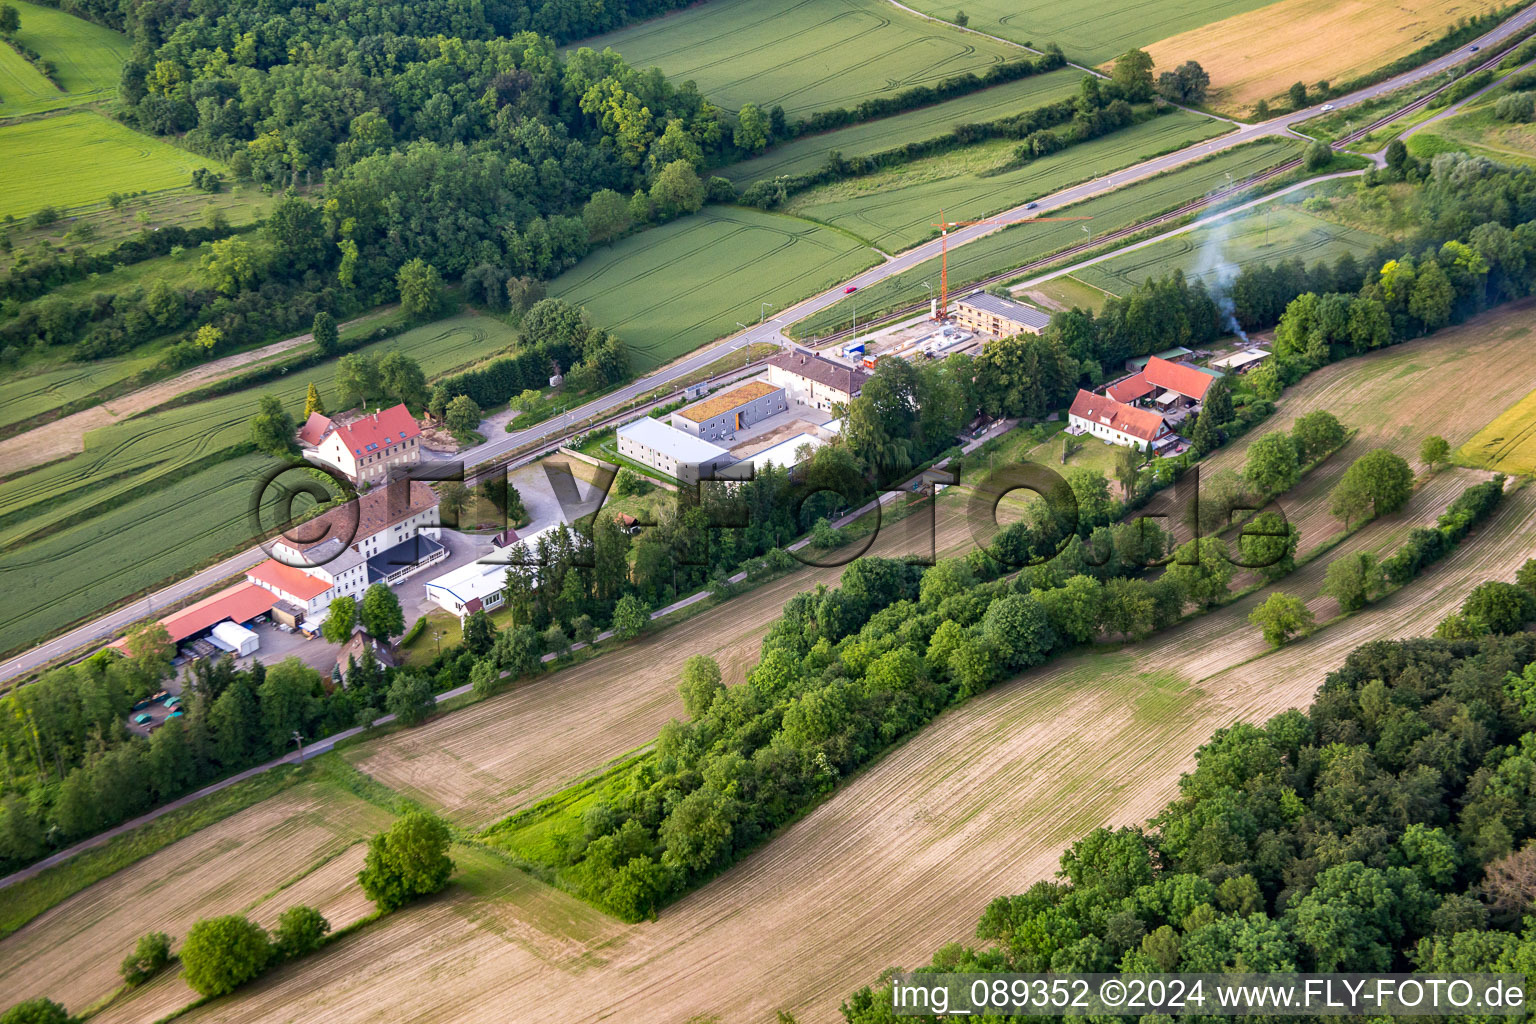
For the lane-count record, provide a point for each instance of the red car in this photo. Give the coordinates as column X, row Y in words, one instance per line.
column 850, row 289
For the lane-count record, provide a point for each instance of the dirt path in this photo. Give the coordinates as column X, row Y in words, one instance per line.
column 63, row 437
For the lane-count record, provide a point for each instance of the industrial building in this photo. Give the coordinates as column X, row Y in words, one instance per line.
column 1000, row 318
column 679, row 455
column 720, row 416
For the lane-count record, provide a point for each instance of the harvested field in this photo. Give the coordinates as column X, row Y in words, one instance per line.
column 1508, row 444
column 669, row 290
column 500, row 755
column 1090, row 32
column 302, row 846
column 909, row 852
column 1256, row 55
column 60, row 161
column 804, row 56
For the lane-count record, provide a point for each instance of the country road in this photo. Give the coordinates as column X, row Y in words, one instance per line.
column 551, row 431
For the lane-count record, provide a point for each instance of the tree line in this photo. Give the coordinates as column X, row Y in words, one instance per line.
column 1386, row 828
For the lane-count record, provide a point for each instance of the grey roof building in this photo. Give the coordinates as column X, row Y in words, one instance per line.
column 982, row 312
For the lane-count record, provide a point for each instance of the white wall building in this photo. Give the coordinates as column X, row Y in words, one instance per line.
column 678, row 454
column 1116, row 422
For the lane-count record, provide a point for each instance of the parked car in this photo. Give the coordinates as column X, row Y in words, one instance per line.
column 178, row 713
column 143, row 718
column 172, row 701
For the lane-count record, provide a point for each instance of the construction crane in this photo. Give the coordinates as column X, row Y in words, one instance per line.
column 944, row 226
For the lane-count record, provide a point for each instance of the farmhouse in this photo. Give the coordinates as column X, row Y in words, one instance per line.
column 815, row 380
column 383, row 536
column 1117, row 423
column 352, row 651
column 482, row 585
column 1167, row 384
column 999, row 317
column 367, row 450
column 677, row 454
column 720, row 416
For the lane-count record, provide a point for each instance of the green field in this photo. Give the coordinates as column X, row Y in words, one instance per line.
column 897, row 207
column 1276, row 231
column 810, row 153
column 103, row 538
column 1015, row 246
column 669, row 290
column 79, row 158
column 1475, row 130
column 1090, row 32
column 88, row 60
column 805, row 56
column 23, row 397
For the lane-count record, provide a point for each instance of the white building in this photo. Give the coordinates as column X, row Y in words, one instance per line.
column 785, row 454
column 1117, row 423
column 367, row 450
column 383, row 536
column 815, row 380
column 678, row 454
column 482, row 585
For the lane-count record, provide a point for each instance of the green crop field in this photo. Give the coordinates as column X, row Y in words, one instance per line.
column 1090, row 32
column 1017, row 245
column 1280, row 230
column 805, row 56
column 89, row 58
column 23, row 397
column 79, row 158
column 810, row 153
column 897, row 207
column 138, row 504
column 669, row 290
column 23, row 89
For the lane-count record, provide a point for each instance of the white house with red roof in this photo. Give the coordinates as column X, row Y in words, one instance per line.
column 1166, row 383
column 1117, row 423
column 368, row 450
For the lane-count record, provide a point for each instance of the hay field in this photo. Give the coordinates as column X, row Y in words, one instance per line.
column 1015, row 246
column 302, row 846
column 89, row 58
column 1090, row 32
column 805, row 55
column 895, row 208
column 669, row 290
column 79, row 158
column 1508, row 444
column 1280, row 230
column 810, row 153
column 1258, row 54
column 909, row 852
column 81, row 532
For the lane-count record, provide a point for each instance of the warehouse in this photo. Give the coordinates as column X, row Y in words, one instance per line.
column 1001, row 318
column 718, row 417
column 677, row 454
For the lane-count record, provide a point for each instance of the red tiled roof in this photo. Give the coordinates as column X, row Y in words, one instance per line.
column 288, row 579
column 361, row 518
column 385, row 427
column 823, row 371
column 240, row 603
column 1184, row 379
column 1131, row 388
column 1139, row 423
column 315, row 428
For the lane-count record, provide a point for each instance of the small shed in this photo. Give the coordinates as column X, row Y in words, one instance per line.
column 236, row 639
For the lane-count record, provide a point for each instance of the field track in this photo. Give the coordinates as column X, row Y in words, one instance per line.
column 980, row 803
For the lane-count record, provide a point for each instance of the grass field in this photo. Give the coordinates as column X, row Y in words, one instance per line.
column 24, row 397
column 98, row 538
column 1066, row 293
column 669, row 290
column 896, row 208
column 1015, row 246
column 906, row 855
column 806, row 55
column 1508, row 444
column 1258, row 54
column 810, row 153
column 23, row 89
column 1279, row 230
column 1475, row 130
column 1091, row 32
column 89, row 58
column 59, row 161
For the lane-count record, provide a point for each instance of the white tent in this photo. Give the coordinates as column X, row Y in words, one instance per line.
column 236, row 639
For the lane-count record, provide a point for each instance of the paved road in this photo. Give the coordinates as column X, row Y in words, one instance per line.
column 770, row 330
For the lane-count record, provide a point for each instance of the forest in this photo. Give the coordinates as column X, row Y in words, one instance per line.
column 1387, row 828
